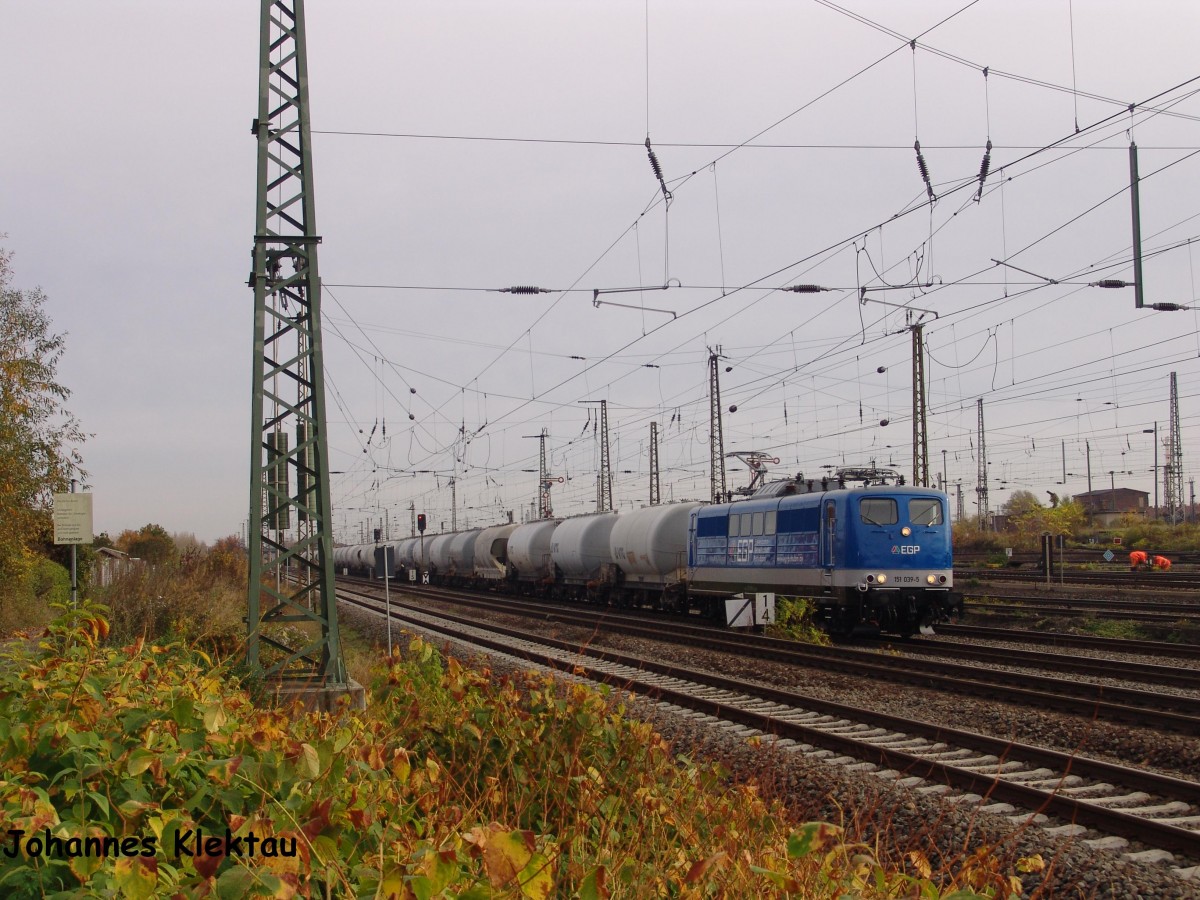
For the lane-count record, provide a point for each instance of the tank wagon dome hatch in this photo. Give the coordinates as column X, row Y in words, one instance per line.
column 857, row 476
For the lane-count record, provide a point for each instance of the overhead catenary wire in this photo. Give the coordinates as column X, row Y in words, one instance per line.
column 709, row 301
column 662, row 185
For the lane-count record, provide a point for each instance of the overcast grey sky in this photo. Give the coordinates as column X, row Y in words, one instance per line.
column 462, row 146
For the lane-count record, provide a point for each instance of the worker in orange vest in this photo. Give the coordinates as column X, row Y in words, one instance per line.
column 1162, row 563
column 1137, row 559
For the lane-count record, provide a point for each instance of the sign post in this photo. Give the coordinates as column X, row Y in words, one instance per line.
column 73, row 525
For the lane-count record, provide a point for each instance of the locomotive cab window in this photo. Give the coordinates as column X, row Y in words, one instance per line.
column 878, row 511
column 925, row 511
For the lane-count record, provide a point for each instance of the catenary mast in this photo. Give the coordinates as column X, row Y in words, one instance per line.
column 1174, row 472
column 920, row 431
column 655, row 485
column 716, row 433
column 291, row 570
column 981, row 477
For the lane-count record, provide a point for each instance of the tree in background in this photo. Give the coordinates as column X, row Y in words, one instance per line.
column 150, row 542
column 1028, row 517
column 1021, row 504
column 39, row 437
column 186, row 542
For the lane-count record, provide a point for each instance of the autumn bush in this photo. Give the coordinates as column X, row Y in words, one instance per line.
column 27, row 596
column 1159, row 537
column 454, row 782
column 199, row 598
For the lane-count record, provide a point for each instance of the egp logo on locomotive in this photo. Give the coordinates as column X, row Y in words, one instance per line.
column 906, row 549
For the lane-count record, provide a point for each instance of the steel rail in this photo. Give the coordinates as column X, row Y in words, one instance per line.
column 1062, row 639
column 1158, row 832
column 1168, row 711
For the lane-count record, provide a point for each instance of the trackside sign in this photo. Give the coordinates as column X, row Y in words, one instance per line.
column 72, row 518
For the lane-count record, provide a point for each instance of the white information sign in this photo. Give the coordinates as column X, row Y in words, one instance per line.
column 764, row 609
column 72, row 518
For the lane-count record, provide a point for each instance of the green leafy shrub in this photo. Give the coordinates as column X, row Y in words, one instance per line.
column 455, row 782
column 794, row 619
column 1159, row 537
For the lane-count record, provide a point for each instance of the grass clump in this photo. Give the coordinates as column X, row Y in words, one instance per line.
column 1122, row 629
column 455, row 782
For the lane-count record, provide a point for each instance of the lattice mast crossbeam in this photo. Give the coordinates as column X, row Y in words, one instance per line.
column 291, row 578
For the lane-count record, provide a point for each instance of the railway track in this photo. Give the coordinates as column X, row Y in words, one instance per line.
column 1074, row 556
column 1172, row 581
column 1025, row 783
column 1144, row 673
column 1095, row 609
column 1107, row 702
column 1071, row 641
column 1178, row 607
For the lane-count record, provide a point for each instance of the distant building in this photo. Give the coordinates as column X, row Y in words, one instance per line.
column 1105, row 507
column 112, row 564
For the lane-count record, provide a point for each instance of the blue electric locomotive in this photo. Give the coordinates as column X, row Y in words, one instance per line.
column 873, row 554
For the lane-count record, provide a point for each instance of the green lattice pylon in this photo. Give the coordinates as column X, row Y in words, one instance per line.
column 290, row 536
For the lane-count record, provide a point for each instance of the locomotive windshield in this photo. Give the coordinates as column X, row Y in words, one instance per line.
column 925, row 511
column 878, row 510
column 886, row 511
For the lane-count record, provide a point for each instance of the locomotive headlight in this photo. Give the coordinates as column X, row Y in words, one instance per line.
column 882, row 577
column 931, row 579
column 906, row 531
